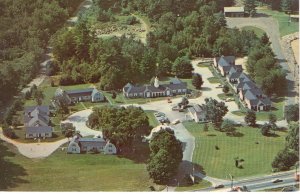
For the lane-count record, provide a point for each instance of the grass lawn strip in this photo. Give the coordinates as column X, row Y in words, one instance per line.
column 76, row 172
column 202, row 184
column 220, row 163
column 259, row 32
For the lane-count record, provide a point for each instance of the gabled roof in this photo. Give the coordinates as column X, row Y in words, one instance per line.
column 234, row 75
column 175, row 80
column 226, row 60
column 252, row 93
column 42, row 129
column 80, row 92
column 95, row 91
column 36, row 116
column 197, row 109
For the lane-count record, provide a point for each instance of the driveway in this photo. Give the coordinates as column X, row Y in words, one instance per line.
column 79, row 120
column 34, row 150
column 271, row 27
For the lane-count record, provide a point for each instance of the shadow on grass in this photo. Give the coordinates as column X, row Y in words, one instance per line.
column 10, row 173
column 235, row 134
column 139, row 154
column 187, row 168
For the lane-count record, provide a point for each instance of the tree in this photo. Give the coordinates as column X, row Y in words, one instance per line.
column 197, row 81
column 215, row 111
column 292, row 139
column 205, row 127
column 228, row 126
column 39, row 96
column 285, row 159
column 291, row 112
column 114, row 95
column 166, row 155
column 265, row 129
column 272, row 121
column 164, row 68
column 225, row 89
column 250, row 118
column 8, row 132
column 184, row 102
column 250, row 7
column 265, row 39
column 182, row 67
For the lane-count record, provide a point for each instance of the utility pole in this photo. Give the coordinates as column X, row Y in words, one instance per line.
column 231, row 177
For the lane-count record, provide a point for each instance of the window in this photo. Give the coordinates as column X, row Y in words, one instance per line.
column 110, row 150
column 110, row 146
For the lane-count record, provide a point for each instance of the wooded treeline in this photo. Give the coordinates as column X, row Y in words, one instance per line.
column 25, row 28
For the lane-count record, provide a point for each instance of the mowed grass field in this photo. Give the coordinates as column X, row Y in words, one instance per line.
column 220, row 163
column 71, row 172
column 259, row 32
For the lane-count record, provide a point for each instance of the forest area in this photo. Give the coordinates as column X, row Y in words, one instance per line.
column 25, row 29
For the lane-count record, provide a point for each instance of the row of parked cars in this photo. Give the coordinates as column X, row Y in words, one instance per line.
column 161, row 117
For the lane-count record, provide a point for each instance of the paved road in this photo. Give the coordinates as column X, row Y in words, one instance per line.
column 79, row 120
column 260, row 182
column 271, row 27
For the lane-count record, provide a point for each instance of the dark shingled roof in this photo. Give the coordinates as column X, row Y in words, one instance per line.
column 33, row 114
column 80, row 92
column 175, row 85
column 41, row 129
column 226, row 60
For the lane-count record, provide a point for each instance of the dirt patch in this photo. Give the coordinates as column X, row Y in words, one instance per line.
column 295, row 47
column 242, row 61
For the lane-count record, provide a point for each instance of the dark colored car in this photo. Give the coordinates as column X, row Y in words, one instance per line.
column 277, row 181
column 219, row 186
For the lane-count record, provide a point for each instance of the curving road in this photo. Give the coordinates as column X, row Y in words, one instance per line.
column 271, row 27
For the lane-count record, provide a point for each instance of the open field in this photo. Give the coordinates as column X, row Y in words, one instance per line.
column 285, row 27
column 259, row 32
column 67, row 172
column 256, row 150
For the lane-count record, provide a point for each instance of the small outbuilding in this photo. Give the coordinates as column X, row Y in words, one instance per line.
column 234, row 11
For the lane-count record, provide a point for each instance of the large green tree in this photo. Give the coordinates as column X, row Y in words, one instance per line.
column 182, row 67
column 214, row 110
column 166, row 155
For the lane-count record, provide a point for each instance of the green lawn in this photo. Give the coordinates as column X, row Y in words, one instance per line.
column 220, row 163
column 259, row 32
column 213, row 80
column 224, row 96
column 202, row 184
column 152, row 120
column 67, row 172
column 278, row 110
column 285, row 27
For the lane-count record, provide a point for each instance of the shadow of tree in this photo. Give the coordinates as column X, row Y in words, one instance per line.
column 10, row 173
column 140, row 153
column 187, row 168
column 235, row 134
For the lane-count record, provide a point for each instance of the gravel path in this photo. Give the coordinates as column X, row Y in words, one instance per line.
column 35, row 150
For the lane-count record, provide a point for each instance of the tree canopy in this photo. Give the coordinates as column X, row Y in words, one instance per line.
column 122, row 126
column 166, row 155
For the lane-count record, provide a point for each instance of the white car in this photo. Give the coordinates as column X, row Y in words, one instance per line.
column 175, row 122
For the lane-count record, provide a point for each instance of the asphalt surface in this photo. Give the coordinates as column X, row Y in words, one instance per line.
column 271, row 27
column 259, row 183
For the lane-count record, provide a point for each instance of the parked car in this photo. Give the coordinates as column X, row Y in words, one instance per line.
column 277, row 181
column 175, row 108
column 219, row 86
column 159, row 114
column 219, row 186
column 175, row 122
column 164, row 120
column 169, row 100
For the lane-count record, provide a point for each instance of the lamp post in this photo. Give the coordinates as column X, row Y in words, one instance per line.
column 231, row 177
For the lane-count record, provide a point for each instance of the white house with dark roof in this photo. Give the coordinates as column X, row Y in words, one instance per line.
column 75, row 96
column 247, row 90
column 80, row 144
column 175, row 87
column 197, row 113
column 36, row 122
